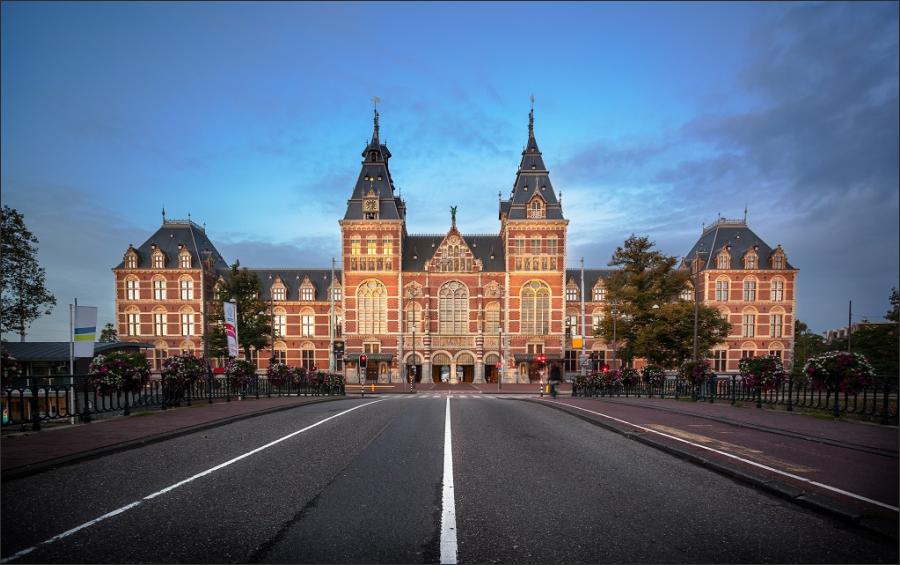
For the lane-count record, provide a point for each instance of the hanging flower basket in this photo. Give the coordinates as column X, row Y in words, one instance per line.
column 240, row 374
column 628, row 376
column 183, row 369
column 299, row 375
column 118, row 371
column 765, row 372
column 280, row 374
column 840, row 370
column 653, row 375
column 695, row 372
column 334, row 380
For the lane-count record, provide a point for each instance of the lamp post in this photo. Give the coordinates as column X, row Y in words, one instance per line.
column 412, row 379
column 614, row 312
column 500, row 352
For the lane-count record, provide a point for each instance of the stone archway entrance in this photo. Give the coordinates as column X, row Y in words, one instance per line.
column 414, row 366
column 465, row 367
column 490, row 367
column 440, row 368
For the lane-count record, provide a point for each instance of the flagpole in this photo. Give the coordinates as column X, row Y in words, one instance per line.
column 72, row 338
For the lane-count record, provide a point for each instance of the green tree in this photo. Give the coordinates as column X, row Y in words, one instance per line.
column 253, row 319
column 807, row 344
column 893, row 315
column 24, row 296
column 644, row 305
column 109, row 334
column 878, row 342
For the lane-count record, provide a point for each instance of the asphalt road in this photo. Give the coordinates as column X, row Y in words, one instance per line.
column 531, row 484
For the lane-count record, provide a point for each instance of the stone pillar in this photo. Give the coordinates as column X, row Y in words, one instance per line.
column 453, row 379
column 479, row 371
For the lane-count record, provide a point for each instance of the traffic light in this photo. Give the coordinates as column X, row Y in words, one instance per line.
column 338, row 350
column 605, row 368
column 540, row 358
column 363, row 359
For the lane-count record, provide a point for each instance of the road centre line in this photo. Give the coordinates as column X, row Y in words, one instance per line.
column 741, row 459
column 127, row 507
column 448, row 503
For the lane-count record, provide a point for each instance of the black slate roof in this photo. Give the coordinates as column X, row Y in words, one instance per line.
column 375, row 176
column 293, row 278
column 734, row 233
column 591, row 276
column 531, row 178
column 419, row 249
column 172, row 234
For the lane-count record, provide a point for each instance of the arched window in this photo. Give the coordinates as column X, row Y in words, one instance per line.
column 132, row 288
column 307, row 322
column 748, row 323
column 184, row 260
column 536, row 208
column 371, row 297
column 159, row 321
column 279, row 321
column 307, row 355
column 777, row 290
column 776, row 322
column 413, row 317
column 751, row 260
column 722, row 287
column 131, row 258
column 453, row 308
column 749, row 290
column 187, row 347
column 596, row 320
column 132, row 321
column 186, row 287
column 160, row 352
column 723, row 260
column 159, row 288
column 280, row 353
column 187, row 321
column 492, row 318
column 535, row 299
column 159, row 260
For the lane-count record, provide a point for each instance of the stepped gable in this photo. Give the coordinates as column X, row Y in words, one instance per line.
column 375, row 181
column 739, row 236
column 532, row 179
column 293, row 278
column 169, row 236
column 591, row 276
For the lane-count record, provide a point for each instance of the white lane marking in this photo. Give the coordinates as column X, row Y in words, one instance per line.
column 118, row 511
column 448, row 515
column 741, row 459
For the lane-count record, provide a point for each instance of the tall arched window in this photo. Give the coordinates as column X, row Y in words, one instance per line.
column 371, row 297
column 535, row 300
column 413, row 317
column 453, row 308
column 492, row 318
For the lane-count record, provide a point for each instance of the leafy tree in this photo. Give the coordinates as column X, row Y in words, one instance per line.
column 893, row 315
column 807, row 344
column 24, row 296
column 109, row 334
column 664, row 335
column 253, row 319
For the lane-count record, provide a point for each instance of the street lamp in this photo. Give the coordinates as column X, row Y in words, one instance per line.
column 613, row 311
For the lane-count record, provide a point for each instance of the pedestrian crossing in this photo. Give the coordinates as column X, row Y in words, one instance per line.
column 462, row 396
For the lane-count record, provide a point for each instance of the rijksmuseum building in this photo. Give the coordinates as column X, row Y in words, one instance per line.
column 455, row 306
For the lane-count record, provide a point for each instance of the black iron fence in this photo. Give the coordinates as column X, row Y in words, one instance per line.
column 878, row 402
column 28, row 402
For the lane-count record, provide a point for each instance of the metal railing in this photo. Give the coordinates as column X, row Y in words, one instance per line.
column 876, row 402
column 31, row 401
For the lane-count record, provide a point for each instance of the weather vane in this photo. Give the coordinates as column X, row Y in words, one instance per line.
column 532, row 101
column 375, row 101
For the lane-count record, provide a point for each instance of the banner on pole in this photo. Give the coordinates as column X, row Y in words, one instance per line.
column 85, row 331
column 231, row 329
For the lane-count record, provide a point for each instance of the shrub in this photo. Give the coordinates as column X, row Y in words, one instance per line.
column 10, row 368
column 695, row 372
column 119, row 371
column 765, row 372
column 653, row 375
column 280, row 374
column 840, row 370
column 628, row 376
column 183, row 369
column 240, row 373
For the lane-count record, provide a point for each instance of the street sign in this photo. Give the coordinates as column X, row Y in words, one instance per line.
column 339, row 349
column 577, row 341
column 499, row 365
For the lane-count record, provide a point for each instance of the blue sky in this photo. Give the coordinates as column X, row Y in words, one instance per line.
column 653, row 118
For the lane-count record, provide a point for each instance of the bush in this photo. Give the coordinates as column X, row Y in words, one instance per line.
column 10, row 368
column 765, row 372
column 628, row 376
column 240, row 373
column 280, row 374
column 119, row 371
column 840, row 370
column 695, row 372
column 183, row 370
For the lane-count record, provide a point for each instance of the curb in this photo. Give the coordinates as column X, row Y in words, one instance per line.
column 814, row 501
column 50, row 464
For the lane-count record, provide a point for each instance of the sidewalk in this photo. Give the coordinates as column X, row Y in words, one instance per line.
column 29, row 453
column 847, row 469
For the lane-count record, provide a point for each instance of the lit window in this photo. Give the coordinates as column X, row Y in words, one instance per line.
column 453, row 308
column 187, row 289
column 599, row 294
column 159, row 323
column 492, row 318
column 354, row 246
column 159, row 289
column 184, row 261
column 371, row 246
column 551, row 246
column 187, row 323
column 571, row 294
column 535, row 300
column 133, row 324
column 722, row 290
column 372, row 307
column 307, row 293
column 749, row 290
column 158, row 260
column 336, row 293
column 723, row 261
column 132, row 289
column 748, row 325
column 535, row 245
column 307, row 325
column 777, row 291
column 388, row 244
column 777, row 325
column 130, row 261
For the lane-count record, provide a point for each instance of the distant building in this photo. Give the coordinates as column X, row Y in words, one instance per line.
column 841, row 333
column 450, row 304
column 51, row 358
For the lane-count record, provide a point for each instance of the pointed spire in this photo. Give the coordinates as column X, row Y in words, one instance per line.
column 531, row 119
column 375, row 101
column 164, row 214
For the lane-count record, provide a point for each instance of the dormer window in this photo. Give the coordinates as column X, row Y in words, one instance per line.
column 599, row 294
column 279, row 293
column 307, row 290
column 751, row 261
column 131, row 261
column 184, row 260
column 571, row 293
column 536, row 208
column 336, row 293
column 159, row 260
column 723, row 261
column 778, row 259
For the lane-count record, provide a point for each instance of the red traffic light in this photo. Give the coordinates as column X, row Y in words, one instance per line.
column 541, row 358
column 363, row 358
column 605, row 368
